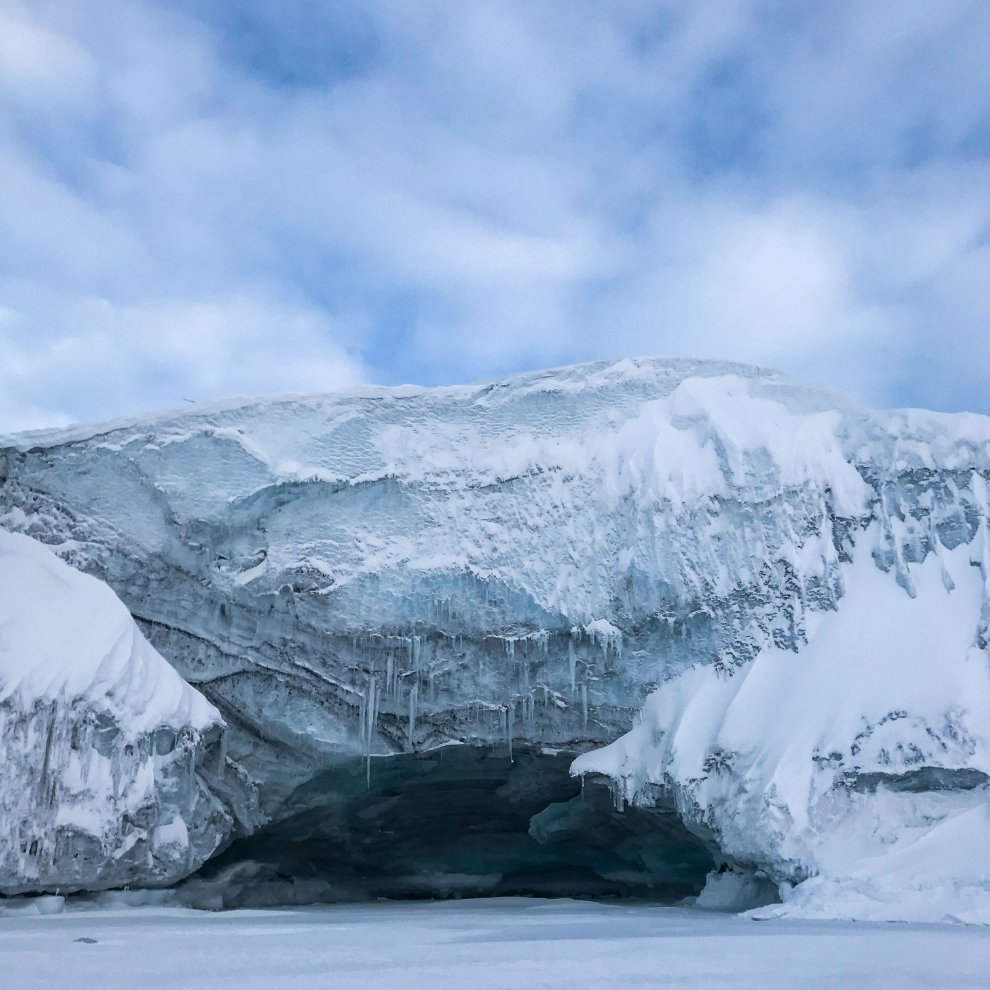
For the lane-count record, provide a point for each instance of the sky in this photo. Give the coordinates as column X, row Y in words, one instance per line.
column 201, row 198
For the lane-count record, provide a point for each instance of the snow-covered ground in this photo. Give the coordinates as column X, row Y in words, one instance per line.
column 507, row 942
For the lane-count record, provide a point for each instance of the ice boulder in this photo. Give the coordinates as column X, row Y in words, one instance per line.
column 107, row 753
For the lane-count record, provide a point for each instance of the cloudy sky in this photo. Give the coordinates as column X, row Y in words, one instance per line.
column 201, row 198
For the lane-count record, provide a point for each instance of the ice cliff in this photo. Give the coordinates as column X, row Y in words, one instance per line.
column 519, row 566
column 106, row 751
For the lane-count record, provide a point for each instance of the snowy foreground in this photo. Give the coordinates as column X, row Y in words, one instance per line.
column 483, row 943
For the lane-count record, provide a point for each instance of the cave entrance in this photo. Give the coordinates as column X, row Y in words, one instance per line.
column 460, row 821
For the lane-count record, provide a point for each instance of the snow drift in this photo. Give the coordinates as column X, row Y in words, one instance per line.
column 105, row 749
column 380, row 573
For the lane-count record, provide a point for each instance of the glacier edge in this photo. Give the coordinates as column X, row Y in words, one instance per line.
column 387, row 572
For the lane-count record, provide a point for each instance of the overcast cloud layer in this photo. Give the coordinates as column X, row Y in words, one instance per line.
column 205, row 198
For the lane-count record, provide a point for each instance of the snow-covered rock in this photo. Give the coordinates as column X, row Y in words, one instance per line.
column 106, row 751
column 386, row 571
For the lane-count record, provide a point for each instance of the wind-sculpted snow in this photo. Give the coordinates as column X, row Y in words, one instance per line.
column 105, row 750
column 387, row 571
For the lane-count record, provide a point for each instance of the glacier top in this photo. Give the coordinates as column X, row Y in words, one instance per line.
column 713, row 421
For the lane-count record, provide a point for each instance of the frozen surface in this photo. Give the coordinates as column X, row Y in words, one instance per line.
column 103, row 745
column 372, row 575
column 479, row 944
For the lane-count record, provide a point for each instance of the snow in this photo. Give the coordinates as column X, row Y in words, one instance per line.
column 943, row 876
column 767, row 756
column 102, row 742
column 478, row 944
column 64, row 634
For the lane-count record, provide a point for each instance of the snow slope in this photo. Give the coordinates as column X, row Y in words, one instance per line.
column 100, row 739
column 862, row 760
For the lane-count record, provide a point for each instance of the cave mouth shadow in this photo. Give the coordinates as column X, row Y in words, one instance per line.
column 462, row 821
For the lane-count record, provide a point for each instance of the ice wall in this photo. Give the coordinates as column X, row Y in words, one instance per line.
column 107, row 754
column 386, row 571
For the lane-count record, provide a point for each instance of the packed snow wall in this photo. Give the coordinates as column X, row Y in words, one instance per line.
column 381, row 573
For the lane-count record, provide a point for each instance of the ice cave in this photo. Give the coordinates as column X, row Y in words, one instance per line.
column 647, row 629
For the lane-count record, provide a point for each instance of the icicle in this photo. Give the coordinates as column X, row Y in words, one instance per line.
column 509, row 720
column 572, row 662
column 369, row 721
column 223, row 755
column 372, row 709
column 584, row 703
column 362, row 721
column 413, row 700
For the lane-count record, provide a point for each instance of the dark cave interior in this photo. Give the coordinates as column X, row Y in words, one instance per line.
column 461, row 821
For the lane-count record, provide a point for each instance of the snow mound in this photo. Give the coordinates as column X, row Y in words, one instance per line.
column 100, row 739
column 855, row 767
column 943, row 875
column 64, row 634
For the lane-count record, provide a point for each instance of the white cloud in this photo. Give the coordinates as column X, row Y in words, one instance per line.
column 159, row 353
column 41, row 68
column 482, row 187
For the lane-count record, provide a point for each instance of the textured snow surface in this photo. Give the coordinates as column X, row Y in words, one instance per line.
column 479, row 944
column 804, row 583
column 99, row 737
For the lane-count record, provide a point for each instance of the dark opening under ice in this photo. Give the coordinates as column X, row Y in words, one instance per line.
column 460, row 821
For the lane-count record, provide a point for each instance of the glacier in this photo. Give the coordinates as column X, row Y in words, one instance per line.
column 757, row 613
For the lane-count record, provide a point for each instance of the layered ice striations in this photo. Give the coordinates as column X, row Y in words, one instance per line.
column 107, row 753
column 387, row 571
